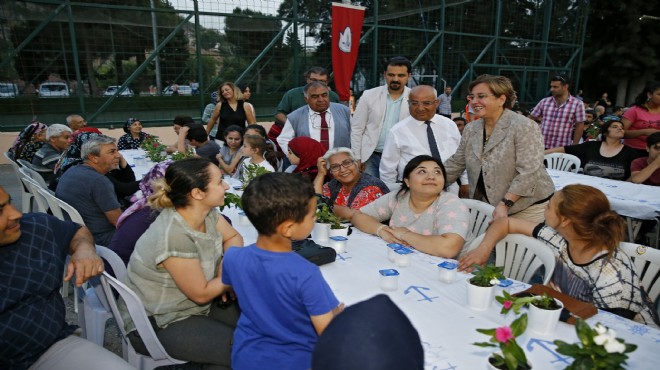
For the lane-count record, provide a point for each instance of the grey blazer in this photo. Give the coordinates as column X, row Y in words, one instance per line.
column 341, row 118
column 512, row 161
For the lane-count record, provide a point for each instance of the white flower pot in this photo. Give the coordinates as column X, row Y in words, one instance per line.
column 491, row 367
column 542, row 321
column 338, row 232
column 321, row 232
column 479, row 298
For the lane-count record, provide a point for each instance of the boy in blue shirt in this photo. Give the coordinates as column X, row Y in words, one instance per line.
column 286, row 304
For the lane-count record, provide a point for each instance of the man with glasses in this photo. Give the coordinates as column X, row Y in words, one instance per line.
column 326, row 122
column 294, row 98
column 561, row 115
column 377, row 112
column 424, row 132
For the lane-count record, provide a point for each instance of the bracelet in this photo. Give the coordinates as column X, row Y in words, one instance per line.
column 381, row 227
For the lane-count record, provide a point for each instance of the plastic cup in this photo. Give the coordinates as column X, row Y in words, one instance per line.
column 390, row 251
column 338, row 243
column 403, row 257
column 389, row 280
column 447, row 271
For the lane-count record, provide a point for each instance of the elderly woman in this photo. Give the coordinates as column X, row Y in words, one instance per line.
column 421, row 213
column 175, row 268
column 133, row 137
column 643, row 118
column 29, row 141
column 230, row 110
column 349, row 188
column 608, row 158
column 503, row 154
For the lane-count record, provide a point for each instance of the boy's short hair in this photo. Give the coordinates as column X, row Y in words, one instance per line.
column 275, row 197
column 198, row 133
column 652, row 139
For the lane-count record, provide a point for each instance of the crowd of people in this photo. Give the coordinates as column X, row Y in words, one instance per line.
column 396, row 167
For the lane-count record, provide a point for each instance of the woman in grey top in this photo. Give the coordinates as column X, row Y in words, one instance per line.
column 176, row 266
column 503, row 154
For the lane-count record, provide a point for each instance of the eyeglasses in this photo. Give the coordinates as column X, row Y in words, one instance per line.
column 346, row 163
column 472, row 97
column 415, row 103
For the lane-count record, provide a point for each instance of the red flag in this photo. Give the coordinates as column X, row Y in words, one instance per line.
column 346, row 30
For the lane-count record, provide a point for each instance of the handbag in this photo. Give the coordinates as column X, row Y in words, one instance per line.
column 314, row 253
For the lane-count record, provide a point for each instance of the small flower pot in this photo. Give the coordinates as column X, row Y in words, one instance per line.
column 338, row 232
column 544, row 321
column 493, row 367
column 479, row 298
column 321, row 232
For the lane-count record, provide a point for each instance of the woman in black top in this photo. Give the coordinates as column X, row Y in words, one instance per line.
column 230, row 110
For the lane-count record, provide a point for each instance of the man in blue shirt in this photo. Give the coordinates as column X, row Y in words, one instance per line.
column 33, row 330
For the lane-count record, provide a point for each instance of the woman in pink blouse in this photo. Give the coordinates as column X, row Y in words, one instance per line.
column 643, row 118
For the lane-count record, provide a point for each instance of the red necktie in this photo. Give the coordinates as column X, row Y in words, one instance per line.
column 325, row 141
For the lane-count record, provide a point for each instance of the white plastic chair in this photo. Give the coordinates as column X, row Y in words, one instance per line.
column 93, row 308
column 647, row 264
column 40, row 202
column 562, row 162
column 481, row 214
column 35, row 172
column 522, row 256
column 157, row 354
column 26, row 196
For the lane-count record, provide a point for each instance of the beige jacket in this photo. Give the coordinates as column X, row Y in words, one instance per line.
column 512, row 161
column 367, row 121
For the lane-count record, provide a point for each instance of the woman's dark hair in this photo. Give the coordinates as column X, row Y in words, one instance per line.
column 606, row 126
column 414, row 163
column 260, row 128
column 233, row 128
column 180, row 179
column 259, row 143
column 642, row 98
column 275, row 197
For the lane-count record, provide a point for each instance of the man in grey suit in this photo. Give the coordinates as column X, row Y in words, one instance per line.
column 326, row 122
column 378, row 111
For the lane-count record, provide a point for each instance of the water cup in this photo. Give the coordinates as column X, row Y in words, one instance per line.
column 140, row 161
column 389, row 280
column 447, row 271
column 243, row 220
column 390, row 251
column 403, row 257
column 338, row 243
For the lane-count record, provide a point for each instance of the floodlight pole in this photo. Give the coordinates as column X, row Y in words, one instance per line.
column 154, row 31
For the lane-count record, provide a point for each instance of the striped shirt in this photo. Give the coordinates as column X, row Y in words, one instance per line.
column 445, row 104
column 559, row 122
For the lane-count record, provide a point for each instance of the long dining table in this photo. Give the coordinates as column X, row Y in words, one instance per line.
column 439, row 312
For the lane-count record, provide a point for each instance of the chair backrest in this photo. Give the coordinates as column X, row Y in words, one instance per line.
column 33, row 186
column 562, row 162
column 647, row 264
column 52, row 203
column 114, row 260
column 30, row 171
column 138, row 315
column 72, row 212
column 26, row 195
column 481, row 214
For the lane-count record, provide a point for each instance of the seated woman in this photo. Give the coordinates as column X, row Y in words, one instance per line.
column 230, row 154
column 29, row 141
column 304, row 154
column 176, row 266
column 584, row 234
column 608, row 158
column 421, row 214
column 350, row 188
column 133, row 137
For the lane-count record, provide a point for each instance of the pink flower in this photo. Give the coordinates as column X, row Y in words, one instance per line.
column 507, row 304
column 503, row 334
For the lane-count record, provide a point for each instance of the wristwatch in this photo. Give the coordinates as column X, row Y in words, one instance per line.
column 507, row 202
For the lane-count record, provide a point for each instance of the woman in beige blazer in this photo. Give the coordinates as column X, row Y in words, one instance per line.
column 503, row 154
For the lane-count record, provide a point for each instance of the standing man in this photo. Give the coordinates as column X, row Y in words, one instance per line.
column 424, row 132
column 294, row 98
column 377, row 112
column 86, row 188
column 561, row 115
column 326, row 122
column 444, row 100
column 33, row 330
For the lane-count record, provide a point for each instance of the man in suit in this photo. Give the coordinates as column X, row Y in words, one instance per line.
column 377, row 112
column 326, row 122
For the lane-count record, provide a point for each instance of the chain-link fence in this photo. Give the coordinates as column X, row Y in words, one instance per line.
column 114, row 59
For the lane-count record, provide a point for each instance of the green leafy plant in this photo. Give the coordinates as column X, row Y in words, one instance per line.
column 154, row 149
column 487, row 276
column 231, row 199
column 510, row 302
column 593, row 130
column 250, row 172
column 512, row 356
column 189, row 153
column 599, row 348
column 325, row 216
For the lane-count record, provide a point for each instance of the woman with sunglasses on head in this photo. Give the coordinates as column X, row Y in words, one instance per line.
column 230, row 110
column 350, row 189
column 502, row 152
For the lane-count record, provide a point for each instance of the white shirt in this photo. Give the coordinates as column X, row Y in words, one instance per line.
column 408, row 139
column 314, row 125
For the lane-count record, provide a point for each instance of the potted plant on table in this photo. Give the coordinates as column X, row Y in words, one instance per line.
column 154, row 149
column 480, row 287
column 511, row 356
column 325, row 221
column 544, row 311
column 250, row 172
column 599, row 348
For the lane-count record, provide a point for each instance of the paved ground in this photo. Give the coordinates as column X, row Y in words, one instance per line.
column 10, row 182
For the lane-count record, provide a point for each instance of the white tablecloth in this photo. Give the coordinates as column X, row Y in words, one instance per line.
column 130, row 156
column 439, row 311
column 626, row 198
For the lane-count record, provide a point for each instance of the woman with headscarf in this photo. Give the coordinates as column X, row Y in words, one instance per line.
column 29, row 141
column 304, row 153
column 133, row 137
